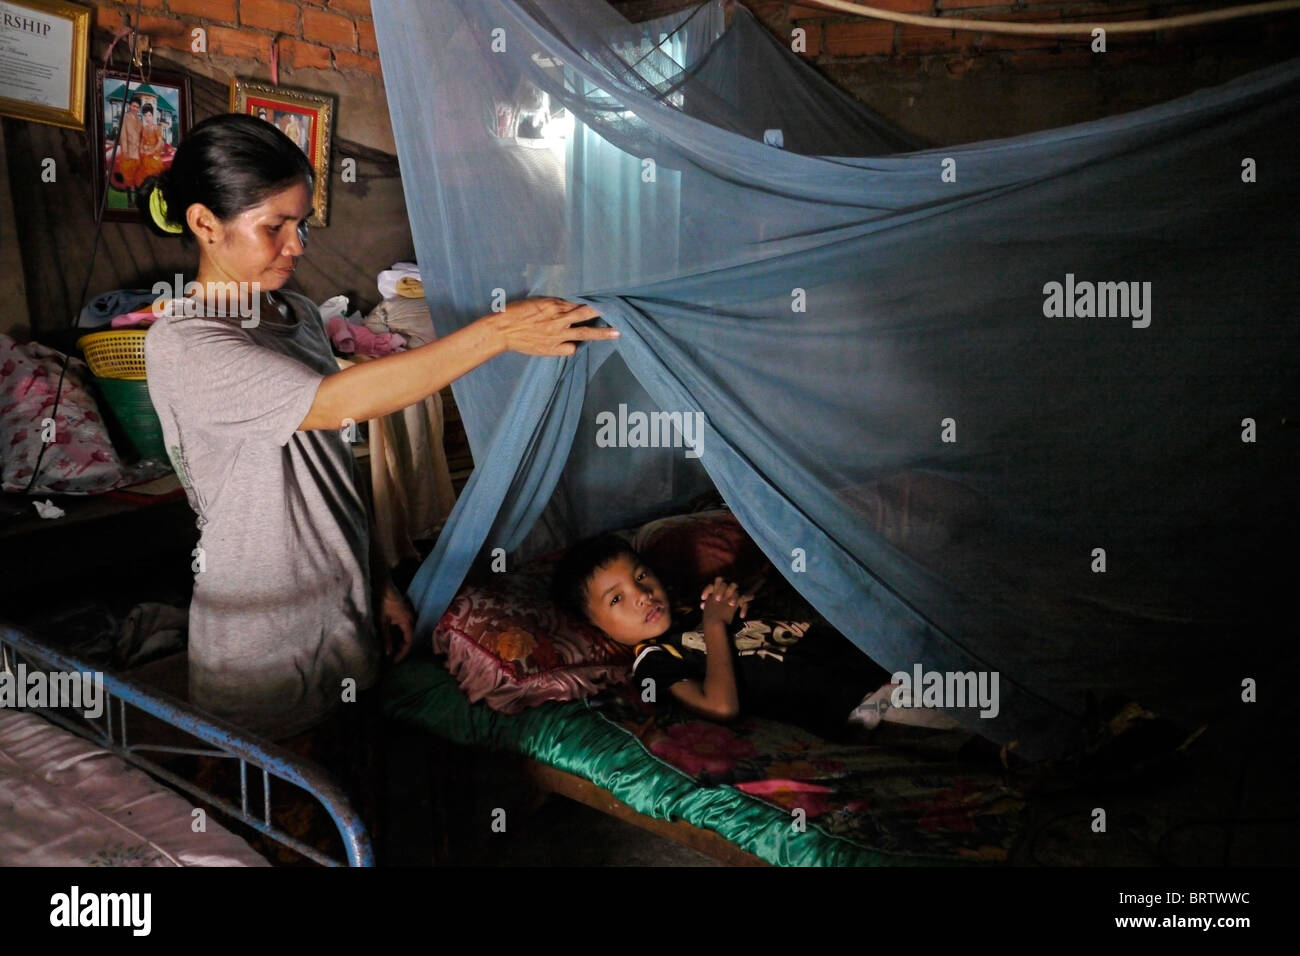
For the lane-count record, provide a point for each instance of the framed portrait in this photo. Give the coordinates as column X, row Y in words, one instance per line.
column 44, row 46
column 137, row 130
column 306, row 118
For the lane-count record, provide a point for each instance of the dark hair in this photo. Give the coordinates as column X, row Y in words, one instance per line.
column 229, row 162
column 148, row 108
column 579, row 565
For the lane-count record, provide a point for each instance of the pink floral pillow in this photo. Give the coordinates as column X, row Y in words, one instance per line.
column 509, row 646
column 80, row 459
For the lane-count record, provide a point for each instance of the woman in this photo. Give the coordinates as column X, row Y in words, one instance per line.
column 151, row 145
column 251, row 407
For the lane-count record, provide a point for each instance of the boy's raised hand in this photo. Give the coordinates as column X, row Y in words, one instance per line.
column 720, row 601
column 741, row 601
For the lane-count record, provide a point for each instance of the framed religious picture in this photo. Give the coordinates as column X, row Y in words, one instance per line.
column 137, row 130
column 44, row 46
column 306, row 118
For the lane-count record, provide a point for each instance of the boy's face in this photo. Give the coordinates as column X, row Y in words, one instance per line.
column 627, row 602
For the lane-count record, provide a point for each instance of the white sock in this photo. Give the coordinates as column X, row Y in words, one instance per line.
column 870, row 711
column 878, row 706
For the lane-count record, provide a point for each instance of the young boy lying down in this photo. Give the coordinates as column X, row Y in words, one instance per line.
column 788, row 671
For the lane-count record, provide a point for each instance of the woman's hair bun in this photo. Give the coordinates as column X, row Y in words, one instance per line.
column 151, row 200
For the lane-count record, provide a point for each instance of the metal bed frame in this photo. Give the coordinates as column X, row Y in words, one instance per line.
column 225, row 739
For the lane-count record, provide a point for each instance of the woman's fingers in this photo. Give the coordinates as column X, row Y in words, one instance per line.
column 561, row 310
column 573, row 312
column 551, row 327
column 588, row 332
column 572, row 317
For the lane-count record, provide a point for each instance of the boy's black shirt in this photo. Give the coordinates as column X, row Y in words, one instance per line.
column 799, row 672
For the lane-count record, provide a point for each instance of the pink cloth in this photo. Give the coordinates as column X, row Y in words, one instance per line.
column 139, row 319
column 349, row 339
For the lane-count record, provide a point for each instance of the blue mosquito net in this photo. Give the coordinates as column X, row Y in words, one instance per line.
column 1024, row 406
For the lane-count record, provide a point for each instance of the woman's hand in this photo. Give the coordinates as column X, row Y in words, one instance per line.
column 545, row 326
column 395, row 612
column 372, row 389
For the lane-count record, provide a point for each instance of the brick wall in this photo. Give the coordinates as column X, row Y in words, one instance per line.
column 833, row 36
column 955, row 87
column 327, row 46
column 336, row 35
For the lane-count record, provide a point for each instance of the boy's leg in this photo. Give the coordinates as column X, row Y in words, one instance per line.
column 848, row 667
column 821, row 696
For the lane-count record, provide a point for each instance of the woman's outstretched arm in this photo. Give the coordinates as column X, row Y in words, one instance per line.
column 382, row 386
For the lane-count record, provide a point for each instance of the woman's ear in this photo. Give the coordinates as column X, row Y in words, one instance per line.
column 203, row 223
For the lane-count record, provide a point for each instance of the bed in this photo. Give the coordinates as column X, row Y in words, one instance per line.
column 79, row 786
column 751, row 792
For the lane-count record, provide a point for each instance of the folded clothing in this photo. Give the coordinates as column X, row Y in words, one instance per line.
column 352, row 339
column 139, row 319
column 103, row 308
column 389, row 278
column 409, row 287
column 408, row 317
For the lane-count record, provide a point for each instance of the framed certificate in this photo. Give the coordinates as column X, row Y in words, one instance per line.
column 44, row 46
column 306, row 118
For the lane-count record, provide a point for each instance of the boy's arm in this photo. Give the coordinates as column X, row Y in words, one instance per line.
column 716, row 696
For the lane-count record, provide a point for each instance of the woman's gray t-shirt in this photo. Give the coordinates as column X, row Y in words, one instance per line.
column 280, row 619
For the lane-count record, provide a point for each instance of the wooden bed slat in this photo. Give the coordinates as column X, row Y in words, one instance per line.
column 569, row 785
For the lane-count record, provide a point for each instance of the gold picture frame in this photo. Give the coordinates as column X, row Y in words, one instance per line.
column 44, row 50
column 305, row 117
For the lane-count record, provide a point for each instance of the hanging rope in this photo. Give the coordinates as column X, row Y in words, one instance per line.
column 119, row 34
column 1059, row 29
column 275, row 59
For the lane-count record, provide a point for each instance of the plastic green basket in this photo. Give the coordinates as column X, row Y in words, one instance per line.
column 129, row 401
